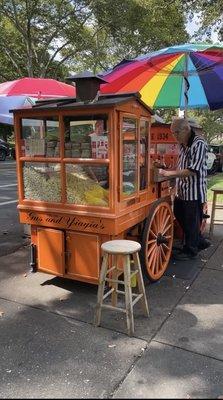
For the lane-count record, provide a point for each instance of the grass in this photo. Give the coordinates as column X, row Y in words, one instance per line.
column 217, row 182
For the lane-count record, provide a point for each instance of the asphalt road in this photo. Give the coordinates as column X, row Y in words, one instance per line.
column 11, row 231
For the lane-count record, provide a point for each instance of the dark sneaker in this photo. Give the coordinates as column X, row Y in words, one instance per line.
column 205, row 216
column 185, row 256
column 204, row 244
column 176, row 250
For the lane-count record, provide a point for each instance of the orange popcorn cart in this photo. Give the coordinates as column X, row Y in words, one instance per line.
column 85, row 177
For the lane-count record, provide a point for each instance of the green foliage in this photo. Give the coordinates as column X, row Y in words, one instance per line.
column 6, row 131
column 211, row 122
column 34, row 33
column 46, row 38
column 217, row 182
column 167, row 114
column 139, row 26
column 211, row 16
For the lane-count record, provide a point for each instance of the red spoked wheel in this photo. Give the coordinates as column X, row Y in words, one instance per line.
column 157, row 240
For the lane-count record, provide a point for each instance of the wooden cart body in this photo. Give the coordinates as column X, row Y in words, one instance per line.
column 66, row 236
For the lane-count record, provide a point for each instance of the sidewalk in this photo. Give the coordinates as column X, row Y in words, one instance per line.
column 50, row 348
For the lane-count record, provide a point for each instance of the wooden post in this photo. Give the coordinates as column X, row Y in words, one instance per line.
column 101, row 287
column 128, row 296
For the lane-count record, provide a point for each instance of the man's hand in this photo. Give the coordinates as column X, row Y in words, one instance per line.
column 183, row 173
column 164, row 172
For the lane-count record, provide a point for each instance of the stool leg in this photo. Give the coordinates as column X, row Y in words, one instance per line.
column 114, row 285
column 212, row 215
column 101, row 288
column 140, row 283
column 128, row 296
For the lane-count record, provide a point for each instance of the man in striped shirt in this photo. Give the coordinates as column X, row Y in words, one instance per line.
column 191, row 185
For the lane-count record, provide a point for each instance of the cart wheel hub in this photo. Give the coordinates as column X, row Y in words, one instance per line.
column 161, row 239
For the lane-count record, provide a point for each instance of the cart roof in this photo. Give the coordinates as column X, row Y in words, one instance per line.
column 71, row 103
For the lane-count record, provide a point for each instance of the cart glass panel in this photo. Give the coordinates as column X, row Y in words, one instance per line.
column 42, row 181
column 87, row 184
column 40, row 137
column 143, row 170
column 129, row 154
column 86, row 137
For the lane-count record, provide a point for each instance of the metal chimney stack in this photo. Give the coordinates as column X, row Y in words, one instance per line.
column 87, row 85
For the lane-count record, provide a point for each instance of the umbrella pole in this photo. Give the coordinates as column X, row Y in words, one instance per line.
column 186, row 86
column 180, row 113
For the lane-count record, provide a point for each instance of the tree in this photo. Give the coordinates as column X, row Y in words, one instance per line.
column 46, row 37
column 211, row 122
column 33, row 33
column 6, row 131
column 210, row 13
column 167, row 114
column 140, row 26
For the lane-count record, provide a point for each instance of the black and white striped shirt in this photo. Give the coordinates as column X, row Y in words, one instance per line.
column 194, row 158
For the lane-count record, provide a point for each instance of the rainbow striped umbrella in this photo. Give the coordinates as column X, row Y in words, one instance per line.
column 182, row 76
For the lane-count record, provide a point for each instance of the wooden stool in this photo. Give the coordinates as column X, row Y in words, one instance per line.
column 215, row 206
column 123, row 248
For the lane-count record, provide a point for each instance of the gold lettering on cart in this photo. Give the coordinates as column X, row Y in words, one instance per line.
column 32, row 217
column 68, row 222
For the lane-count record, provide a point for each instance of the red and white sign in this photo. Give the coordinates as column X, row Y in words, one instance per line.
column 99, row 146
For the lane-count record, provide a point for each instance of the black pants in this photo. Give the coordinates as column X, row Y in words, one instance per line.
column 189, row 215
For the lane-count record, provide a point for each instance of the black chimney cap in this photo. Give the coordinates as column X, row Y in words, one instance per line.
column 86, row 75
column 87, row 85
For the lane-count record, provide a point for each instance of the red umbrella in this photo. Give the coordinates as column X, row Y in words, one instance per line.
column 37, row 87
